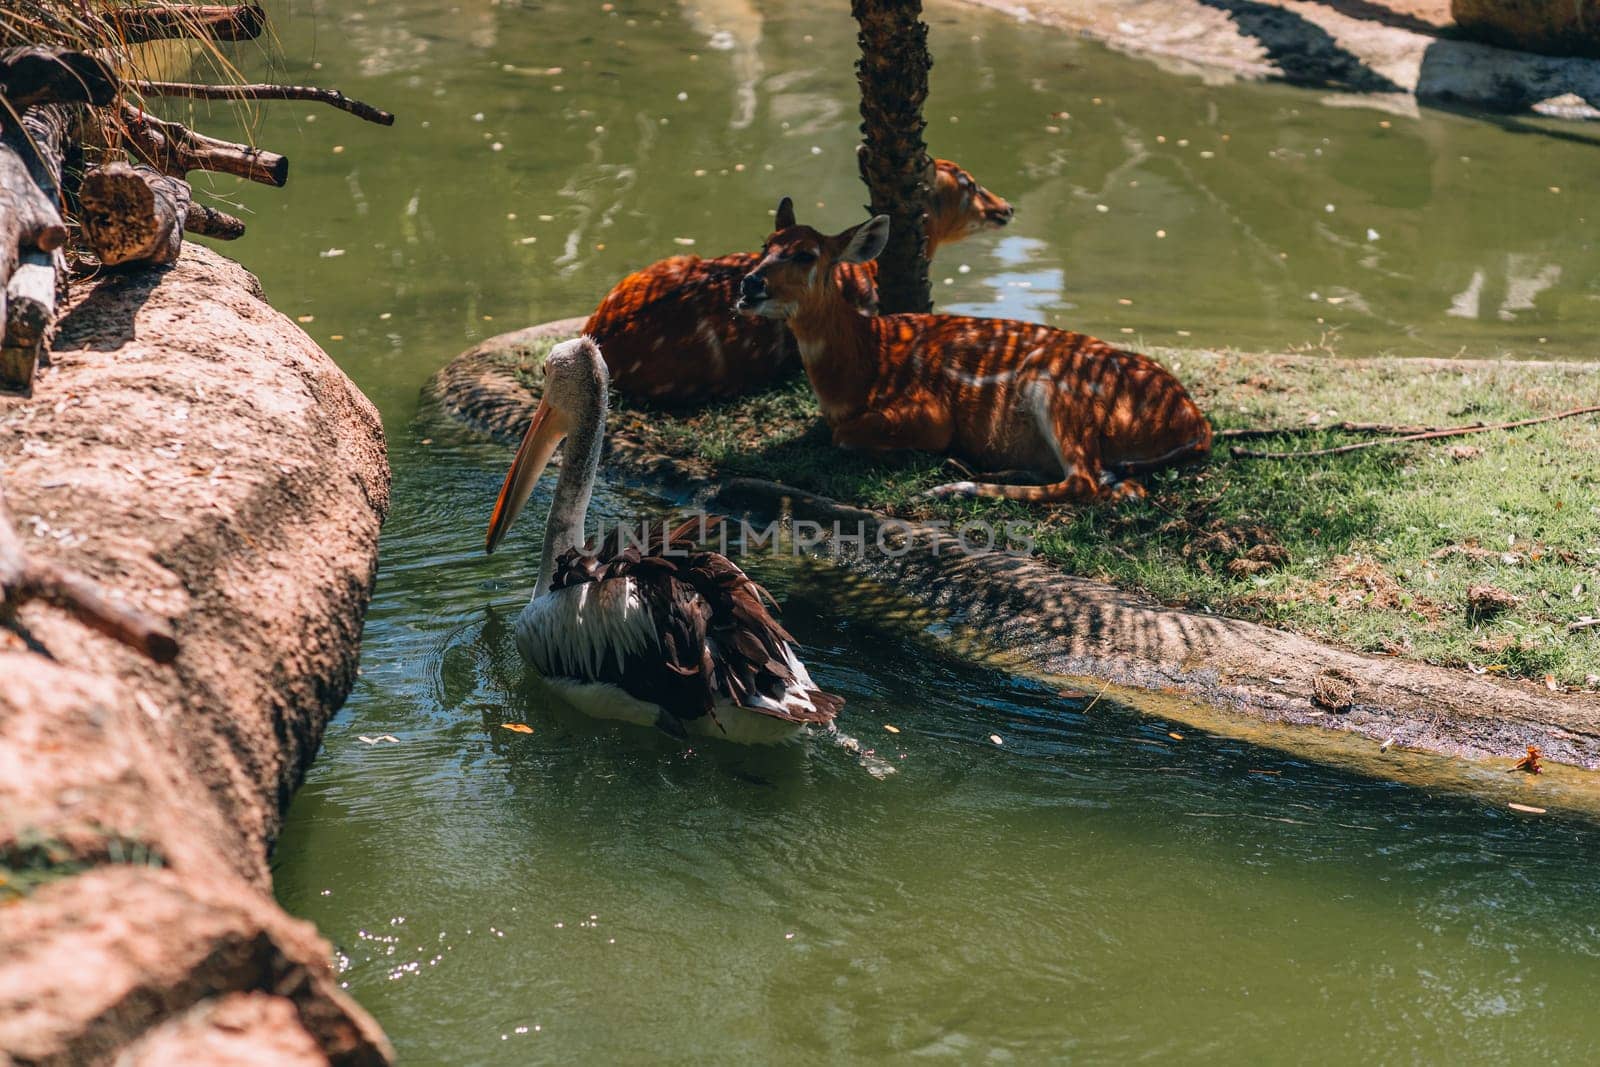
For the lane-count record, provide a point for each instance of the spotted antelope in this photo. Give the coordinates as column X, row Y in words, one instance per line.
column 1003, row 395
column 670, row 335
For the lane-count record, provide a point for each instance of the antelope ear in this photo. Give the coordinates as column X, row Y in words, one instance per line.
column 865, row 242
column 785, row 216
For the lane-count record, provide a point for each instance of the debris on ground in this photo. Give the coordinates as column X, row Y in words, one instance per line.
column 1333, row 691
column 1487, row 601
column 1530, row 762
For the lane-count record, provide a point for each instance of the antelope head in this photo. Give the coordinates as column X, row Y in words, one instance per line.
column 797, row 263
column 960, row 207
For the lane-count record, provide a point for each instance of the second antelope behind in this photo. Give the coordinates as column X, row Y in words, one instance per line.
column 1062, row 408
column 670, row 335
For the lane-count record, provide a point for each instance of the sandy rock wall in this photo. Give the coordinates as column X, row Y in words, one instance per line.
column 195, row 453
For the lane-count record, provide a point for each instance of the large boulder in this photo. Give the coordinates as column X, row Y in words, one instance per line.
column 193, row 452
column 1553, row 27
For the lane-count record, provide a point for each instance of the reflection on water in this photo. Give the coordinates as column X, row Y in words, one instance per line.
column 1100, row 882
column 1090, row 885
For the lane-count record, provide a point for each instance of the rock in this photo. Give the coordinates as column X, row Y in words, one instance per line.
column 1378, row 53
column 192, row 451
column 1552, row 27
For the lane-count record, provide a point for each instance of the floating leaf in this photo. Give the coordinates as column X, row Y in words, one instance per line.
column 1529, row 808
column 517, row 727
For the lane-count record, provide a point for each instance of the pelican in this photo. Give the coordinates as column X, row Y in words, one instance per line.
column 671, row 637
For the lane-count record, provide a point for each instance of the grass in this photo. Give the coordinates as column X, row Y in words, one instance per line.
column 1374, row 550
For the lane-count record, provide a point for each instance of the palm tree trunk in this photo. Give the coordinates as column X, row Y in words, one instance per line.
column 893, row 74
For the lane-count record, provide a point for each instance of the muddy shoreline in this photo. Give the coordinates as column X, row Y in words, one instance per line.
column 1059, row 624
column 192, row 451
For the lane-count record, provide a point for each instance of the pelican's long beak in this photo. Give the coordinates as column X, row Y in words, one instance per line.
column 533, row 456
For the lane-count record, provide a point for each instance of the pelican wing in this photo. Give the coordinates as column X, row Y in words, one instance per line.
column 686, row 632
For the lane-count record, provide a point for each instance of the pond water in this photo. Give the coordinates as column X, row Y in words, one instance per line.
column 1091, row 886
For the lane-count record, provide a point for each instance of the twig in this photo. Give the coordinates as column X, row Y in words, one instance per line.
column 331, row 97
column 1430, row 435
column 23, row 578
column 1583, row 624
column 1307, row 430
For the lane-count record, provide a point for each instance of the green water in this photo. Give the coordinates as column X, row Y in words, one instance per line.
column 1091, row 887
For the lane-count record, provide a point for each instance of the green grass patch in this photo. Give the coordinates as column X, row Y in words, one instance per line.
column 1374, row 550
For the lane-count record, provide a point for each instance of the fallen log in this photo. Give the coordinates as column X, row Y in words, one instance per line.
column 331, row 97
column 39, row 75
column 133, row 214
column 32, row 266
column 203, row 22
column 23, row 578
column 174, row 149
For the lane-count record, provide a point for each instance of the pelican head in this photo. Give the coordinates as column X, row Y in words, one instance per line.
column 573, row 404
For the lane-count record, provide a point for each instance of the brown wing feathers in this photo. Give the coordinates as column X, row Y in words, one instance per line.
column 718, row 640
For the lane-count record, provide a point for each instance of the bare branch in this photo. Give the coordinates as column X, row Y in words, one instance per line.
column 175, row 149
column 209, row 222
column 23, row 579
column 331, row 97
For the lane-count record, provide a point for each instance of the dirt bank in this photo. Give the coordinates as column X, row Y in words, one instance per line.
column 195, row 453
column 1059, row 623
column 1387, row 52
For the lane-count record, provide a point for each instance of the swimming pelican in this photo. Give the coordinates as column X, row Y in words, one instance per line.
column 677, row 639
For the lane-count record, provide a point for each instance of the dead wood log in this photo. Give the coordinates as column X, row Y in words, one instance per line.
column 206, row 22
column 23, row 578
column 38, row 75
column 32, row 266
column 209, row 222
column 133, row 214
column 174, row 149
column 331, row 97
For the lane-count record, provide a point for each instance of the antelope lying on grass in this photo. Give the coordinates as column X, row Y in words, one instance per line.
column 669, row 333
column 1000, row 394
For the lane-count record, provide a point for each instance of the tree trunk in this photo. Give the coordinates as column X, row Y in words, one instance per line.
column 893, row 74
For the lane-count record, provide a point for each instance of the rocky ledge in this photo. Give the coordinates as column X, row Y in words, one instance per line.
column 194, row 453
